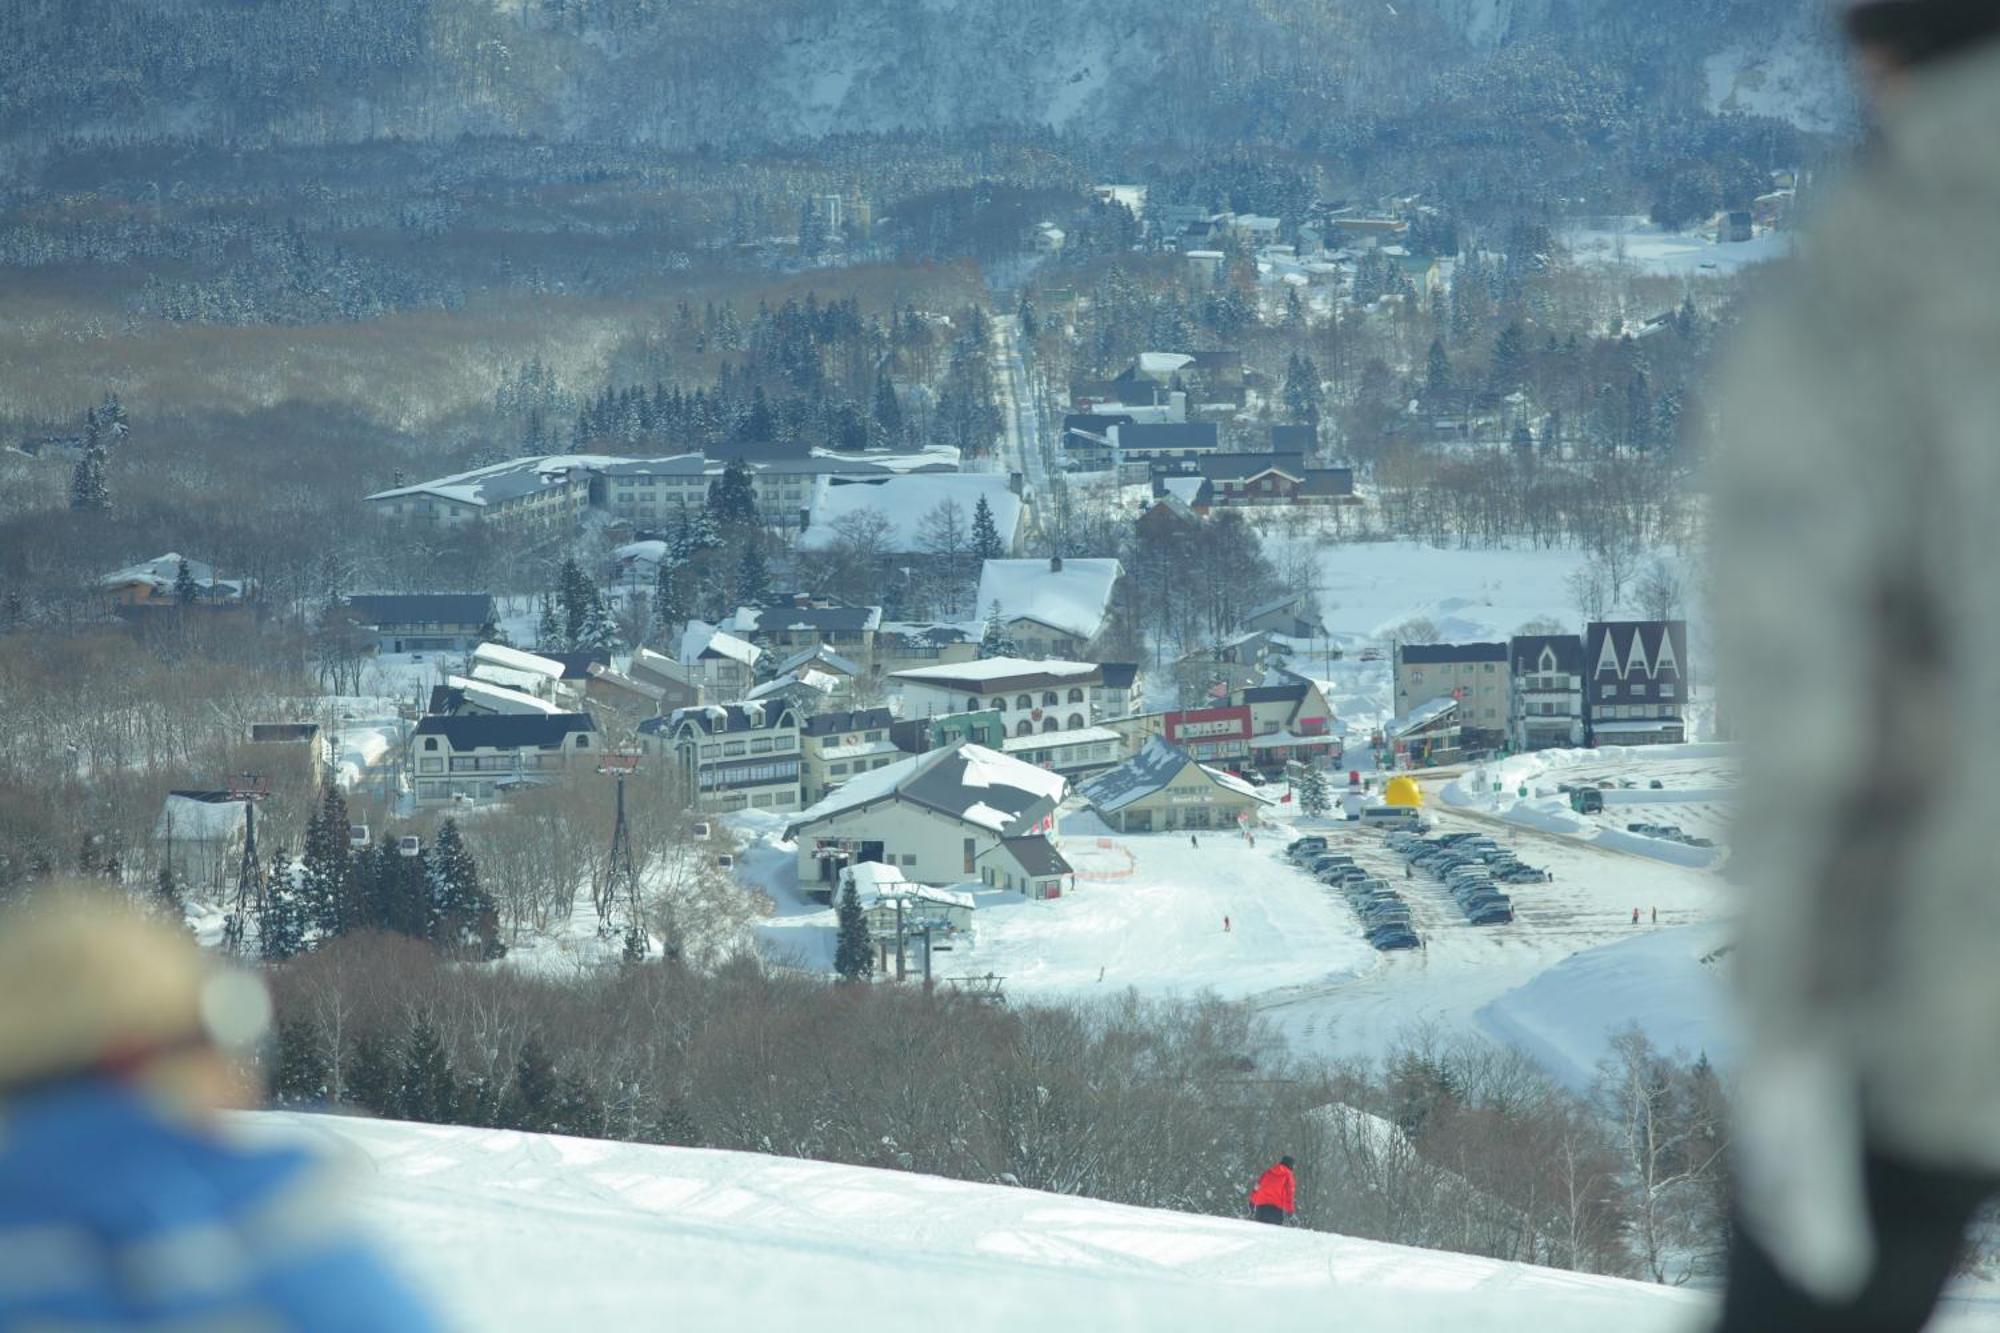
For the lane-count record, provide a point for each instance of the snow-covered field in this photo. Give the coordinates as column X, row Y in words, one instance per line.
column 1644, row 248
column 1695, row 783
column 1293, row 948
column 514, row 1231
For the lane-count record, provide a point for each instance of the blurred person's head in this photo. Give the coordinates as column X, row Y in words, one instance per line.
column 1897, row 38
column 91, row 988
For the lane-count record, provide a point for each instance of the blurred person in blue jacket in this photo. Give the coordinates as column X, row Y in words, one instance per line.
column 122, row 1202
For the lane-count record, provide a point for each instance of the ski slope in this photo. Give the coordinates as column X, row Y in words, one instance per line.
column 525, row 1232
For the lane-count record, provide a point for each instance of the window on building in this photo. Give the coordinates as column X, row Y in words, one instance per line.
column 1666, row 691
column 837, row 770
column 1049, row 699
column 1075, row 695
column 583, row 742
column 1075, row 721
column 1050, row 724
column 1026, row 727
column 970, row 851
column 1489, row 668
column 1024, row 701
column 430, row 743
column 999, row 705
column 909, row 858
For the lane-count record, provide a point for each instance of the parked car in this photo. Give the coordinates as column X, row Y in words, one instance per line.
column 1657, row 785
column 1299, row 847
column 1393, row 938
column 1494, row 914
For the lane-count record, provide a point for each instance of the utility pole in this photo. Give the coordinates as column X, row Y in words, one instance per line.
column 899, row 937
column 248, row 788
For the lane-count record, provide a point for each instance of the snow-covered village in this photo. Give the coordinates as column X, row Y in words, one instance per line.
column 1130, row 666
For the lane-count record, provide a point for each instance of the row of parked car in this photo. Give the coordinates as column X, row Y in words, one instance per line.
column 1385, row 917
column 1472, row 867
column 1670, row 833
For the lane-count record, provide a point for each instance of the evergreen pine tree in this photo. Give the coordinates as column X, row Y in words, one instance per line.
column 1510, row 359
column 732, row 501
column 185, row 591
column 995, row 641
column 599, row 632
column 87, row 489
column 670, row 605
column 1438, row 378
column 812, row 230
column 326, row 869
column 888, row 412
column 372, row 1074
column 299, row 1074
column 854, row 952
column 281, row 920
column 549, row 629
column 753, row 576
column 465, row 919
column 530, row 1102
column 985, row 533
column 575, row 595
column 1314, row 798
column 427, row 1088
column 1523, row 442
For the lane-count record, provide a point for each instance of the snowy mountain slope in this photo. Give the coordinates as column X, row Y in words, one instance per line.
column 519, row 1231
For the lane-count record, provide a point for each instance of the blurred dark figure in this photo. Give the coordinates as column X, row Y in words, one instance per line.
column 121, row 1203
column 1857, row 527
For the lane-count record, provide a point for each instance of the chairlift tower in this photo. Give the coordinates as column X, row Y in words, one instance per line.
column 249, row 788
column 621, row 872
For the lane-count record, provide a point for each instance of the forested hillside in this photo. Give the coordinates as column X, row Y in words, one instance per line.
column 1319, row 75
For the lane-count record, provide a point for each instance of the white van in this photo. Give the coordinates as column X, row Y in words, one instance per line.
column 1393, row 817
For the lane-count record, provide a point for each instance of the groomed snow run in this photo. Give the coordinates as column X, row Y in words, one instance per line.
column 512, row 1231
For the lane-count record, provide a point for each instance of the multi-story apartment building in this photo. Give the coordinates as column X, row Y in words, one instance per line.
column 476, row 757
column 733, row 756
column 834, row 747
column 1545, row 709
column 1638, row 682
column 1475, row 674
column 1031, row 696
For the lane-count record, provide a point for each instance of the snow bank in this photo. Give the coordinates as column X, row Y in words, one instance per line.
column 524, row 1231
column 1671, row 983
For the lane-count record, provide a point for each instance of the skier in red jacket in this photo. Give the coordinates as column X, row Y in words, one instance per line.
column 1275, row 1198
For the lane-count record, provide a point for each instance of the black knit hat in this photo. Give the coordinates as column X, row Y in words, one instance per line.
column 1284, row 1161
column 1918, row 32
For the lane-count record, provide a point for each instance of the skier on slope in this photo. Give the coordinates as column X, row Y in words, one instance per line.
column 1275, row 1200
column 119, row 1048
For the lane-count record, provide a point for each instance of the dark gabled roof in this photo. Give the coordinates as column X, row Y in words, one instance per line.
column 1241, row 467
column 1328, row 481
column 1435, row 654
column 1168, row 435
column 1653, row 635
column 942, row 787
column 1119, row 675
column 421, row 608
column 1036, row 855
column 836, row 724
column 1095, row 422
column 281, row 732
column 716, row 719
column 1527, row 652
column 576, row 666
column 505, row 731
column 1276, row 694
column 1294, row 439
column 445, row 701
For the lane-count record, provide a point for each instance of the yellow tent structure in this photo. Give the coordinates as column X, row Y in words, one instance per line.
column 1404, row 792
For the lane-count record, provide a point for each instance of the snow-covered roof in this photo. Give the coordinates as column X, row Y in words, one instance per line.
column 504, row 481
column 1421, row 715
column 873, row 875
column 859, row 750
column 1151, row 771
column 509, row 678
column 810, row 679
column 1074, row 599
column 1163, row 363
column 1185, row 489
column 904, row 502
column 921, row 893
column 987, row 670
column 208, row 816
column 161, row 571
column 498, row 697
column 701, row 637
column 967, row 782
column 513, row 659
